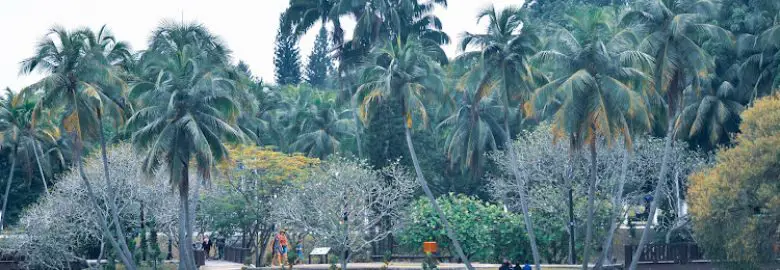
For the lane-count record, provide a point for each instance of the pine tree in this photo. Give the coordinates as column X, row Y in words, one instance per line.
column 319, row 62
column 286, row 55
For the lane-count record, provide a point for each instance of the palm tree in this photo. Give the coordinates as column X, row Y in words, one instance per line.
column 473, row 130
column 186, row 111
column 410, row 73
column 757, row 74
column 306, row 13
column 675, row 26
column 80, row 79
column 20, row 132
column 593, row 68
column 323, row 129
column 711, row 115
column 504, row 51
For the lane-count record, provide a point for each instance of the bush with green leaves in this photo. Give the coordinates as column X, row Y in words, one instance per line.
column 487, row 232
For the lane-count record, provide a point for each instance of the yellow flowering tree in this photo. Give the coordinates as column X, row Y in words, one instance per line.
column 736, row 204
column 240, row 200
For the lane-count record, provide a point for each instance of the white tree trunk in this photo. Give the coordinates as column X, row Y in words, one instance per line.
column 111, row 200
column 427, row 190
column 529, row 226
column 3, row 214
column 40, row 168
column 658, row 187
column 591, row 200
column 617, row 203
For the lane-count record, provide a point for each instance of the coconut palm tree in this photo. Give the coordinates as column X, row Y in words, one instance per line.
column 757, row 74
column 80, row 79
column 304, row 14
column 473, row 130
column 504, row 51
column 20, row 132
column 186, row 111
column 594, row 67
column 410, row 73
column 323, row 129
column 674, row 28
column 711, row 115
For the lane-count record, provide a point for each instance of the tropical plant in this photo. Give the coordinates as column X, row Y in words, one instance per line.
column 63, row 226
column 323, row 130
column 504, row 52
column 489, row 233
column 24, row 136
column 674, row 27
column 81, row 79
column 712, row 115
column 735, row 204
column 410, row 73
column 342, row 204
column 185, row 112
column 473, row 130
column 594, row 92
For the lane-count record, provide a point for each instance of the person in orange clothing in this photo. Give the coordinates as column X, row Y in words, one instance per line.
column 281, row 247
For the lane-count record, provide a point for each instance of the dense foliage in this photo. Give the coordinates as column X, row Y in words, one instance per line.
column 488, row 232
column 735, row 205
column 614, row 97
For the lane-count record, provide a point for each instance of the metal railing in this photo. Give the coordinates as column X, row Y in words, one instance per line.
column 236, row 254
column 680, row 253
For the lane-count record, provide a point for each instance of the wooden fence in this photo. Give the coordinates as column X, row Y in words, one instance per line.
column 680, row 253
column 236, row 254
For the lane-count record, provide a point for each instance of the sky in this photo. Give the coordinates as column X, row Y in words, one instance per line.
column 248, row 27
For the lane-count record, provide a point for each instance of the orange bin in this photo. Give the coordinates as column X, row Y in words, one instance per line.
column 430, row 247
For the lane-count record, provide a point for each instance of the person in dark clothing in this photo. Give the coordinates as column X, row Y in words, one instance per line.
column 506, row 265
column 527, row 266
column 220, row 247
column 206, row 246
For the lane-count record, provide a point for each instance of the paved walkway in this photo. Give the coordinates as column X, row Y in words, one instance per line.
column 221, row 265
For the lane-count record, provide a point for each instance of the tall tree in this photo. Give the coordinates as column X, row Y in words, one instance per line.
column 320, row 64
column 186, row 111
column 592, row 93
column 287, row 59
column 31, row 128
column 675, row 27
column 409, row 72
column 504, row 51
column 710, row 116
column 323, row 130
column 735, row 204
column 23, row 136
column 81, row 79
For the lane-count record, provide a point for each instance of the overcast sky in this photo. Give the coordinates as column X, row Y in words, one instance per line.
column 248, row 27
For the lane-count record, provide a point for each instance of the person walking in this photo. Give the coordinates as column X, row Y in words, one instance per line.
column 281, row 247
column 299, row 251
column 506, row 265
column 206, row 245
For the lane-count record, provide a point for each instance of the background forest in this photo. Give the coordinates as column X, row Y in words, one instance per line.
column 553, row 123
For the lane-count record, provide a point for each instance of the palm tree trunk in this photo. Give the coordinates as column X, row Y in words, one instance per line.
column 186, row 256
column 572, row 250
column 427, row 190
column 111, row 201
column 657, row 192
column 591, row 199
column 358, row 126
column 529, row 226
column 40, row 168
column 617, row 204
column 3, row 214
column 128, row 261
